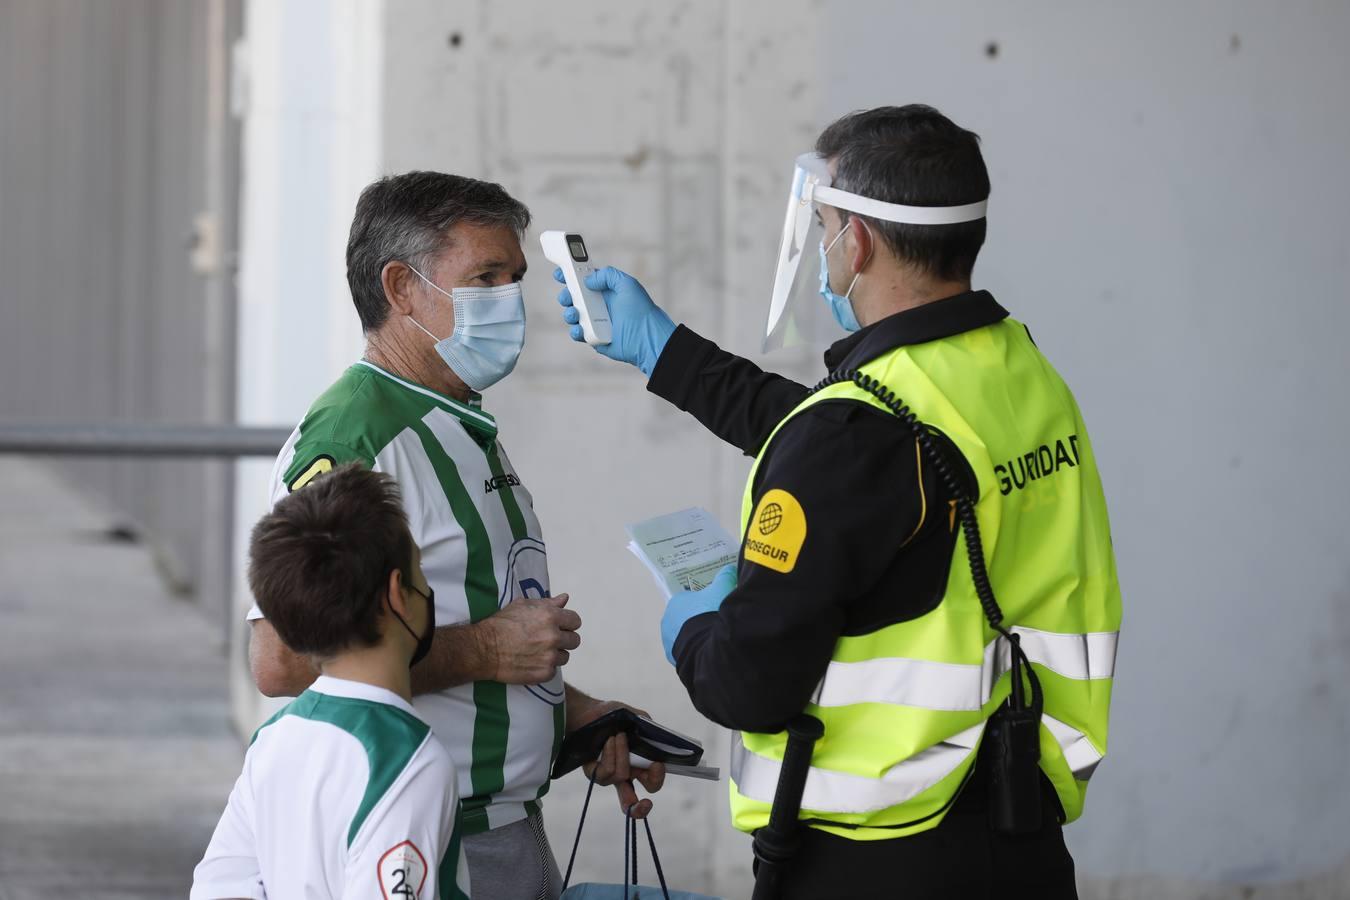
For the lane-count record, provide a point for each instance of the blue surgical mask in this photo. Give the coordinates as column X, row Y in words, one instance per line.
column 489, row 332
column 840, row 307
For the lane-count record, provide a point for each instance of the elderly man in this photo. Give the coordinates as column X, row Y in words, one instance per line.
column 434, row 264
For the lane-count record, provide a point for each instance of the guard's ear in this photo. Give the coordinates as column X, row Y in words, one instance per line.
column 400, row 287
column 862, row 243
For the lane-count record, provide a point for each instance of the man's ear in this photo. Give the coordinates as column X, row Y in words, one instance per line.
column 863, row 243
column 400, row 284
column 397, row 601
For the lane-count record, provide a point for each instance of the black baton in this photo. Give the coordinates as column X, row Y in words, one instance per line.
column 777, row 842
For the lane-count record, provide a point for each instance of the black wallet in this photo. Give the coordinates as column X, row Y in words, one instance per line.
column 645, row 738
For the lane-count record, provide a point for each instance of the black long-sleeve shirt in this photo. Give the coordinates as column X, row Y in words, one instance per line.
column 879, row 526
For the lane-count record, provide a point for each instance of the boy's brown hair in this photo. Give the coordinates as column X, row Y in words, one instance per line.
column 319, row 562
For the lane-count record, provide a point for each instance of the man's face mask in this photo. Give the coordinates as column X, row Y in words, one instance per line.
column 424, row 639
column 489, row 332
column 841, row 307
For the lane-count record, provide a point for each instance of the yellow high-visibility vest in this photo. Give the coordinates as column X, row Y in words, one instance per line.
column 905, row 706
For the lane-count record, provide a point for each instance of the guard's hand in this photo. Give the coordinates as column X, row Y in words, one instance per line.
column 683, row 606
column 613, row 766
column 641, row 328
column 529, row 639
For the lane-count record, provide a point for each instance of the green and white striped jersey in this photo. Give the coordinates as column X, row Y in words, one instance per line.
column 481, row 548
column 344, row 793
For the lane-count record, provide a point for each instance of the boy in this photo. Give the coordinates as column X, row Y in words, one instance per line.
column 345, row 792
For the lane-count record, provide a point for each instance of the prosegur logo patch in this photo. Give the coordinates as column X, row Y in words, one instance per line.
column 776, row 533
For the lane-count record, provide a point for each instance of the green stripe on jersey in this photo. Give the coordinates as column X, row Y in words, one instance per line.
column 518, row 529
column 447, row 876
column 508, row 494
column 471, row 413
column 492, row 719
column 389, row 735
column 354, row 420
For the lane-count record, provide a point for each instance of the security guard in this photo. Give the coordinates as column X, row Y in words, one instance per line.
column 942, row 462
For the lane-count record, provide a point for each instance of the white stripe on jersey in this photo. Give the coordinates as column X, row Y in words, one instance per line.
column 436, row 531
column 530, row 738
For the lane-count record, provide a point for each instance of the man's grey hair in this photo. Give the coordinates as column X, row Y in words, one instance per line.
column 405, row 218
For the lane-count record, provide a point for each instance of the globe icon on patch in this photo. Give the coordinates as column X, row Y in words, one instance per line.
column 770, row 517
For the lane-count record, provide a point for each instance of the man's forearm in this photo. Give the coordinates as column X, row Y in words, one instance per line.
column 460, row 654
column 729, row 395
column 580, row 706
column 524, row 643
column 277, row 670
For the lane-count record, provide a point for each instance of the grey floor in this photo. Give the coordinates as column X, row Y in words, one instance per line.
column 115, row 752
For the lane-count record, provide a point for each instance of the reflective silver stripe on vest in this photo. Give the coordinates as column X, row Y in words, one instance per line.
column 956, row 687
column 1078, row 751
column 829, row 791
column 1082, row 657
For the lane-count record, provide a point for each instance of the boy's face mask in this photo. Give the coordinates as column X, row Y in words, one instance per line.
column 424, row 639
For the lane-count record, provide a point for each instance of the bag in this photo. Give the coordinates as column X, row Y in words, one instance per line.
column 630, row 889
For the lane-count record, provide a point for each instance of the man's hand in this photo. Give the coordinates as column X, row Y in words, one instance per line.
column 685, row 605
column 529, row 639
column 613, row 766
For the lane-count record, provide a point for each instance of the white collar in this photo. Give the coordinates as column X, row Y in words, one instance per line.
column 359, row 690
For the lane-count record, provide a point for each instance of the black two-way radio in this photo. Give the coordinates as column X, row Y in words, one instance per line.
column 1013, row 731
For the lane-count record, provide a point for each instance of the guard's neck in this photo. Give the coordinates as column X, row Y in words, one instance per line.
column 895, row 293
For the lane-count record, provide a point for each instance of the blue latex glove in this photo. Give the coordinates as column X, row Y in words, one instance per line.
column 641, row 328
column 685, row 605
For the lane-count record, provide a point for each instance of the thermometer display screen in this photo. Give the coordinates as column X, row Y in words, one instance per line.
column 577, row 248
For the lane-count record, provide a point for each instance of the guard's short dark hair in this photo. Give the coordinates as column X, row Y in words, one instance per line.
column 916, row 156
column 319, row 562
column 405, row 217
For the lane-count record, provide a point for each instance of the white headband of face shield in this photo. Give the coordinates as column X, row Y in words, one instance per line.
column 893, row 212
column 792, row 308
column 814, row 174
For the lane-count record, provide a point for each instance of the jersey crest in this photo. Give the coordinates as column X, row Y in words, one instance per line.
column 403, row 872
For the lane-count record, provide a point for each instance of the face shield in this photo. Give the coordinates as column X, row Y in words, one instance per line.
column 797, row 313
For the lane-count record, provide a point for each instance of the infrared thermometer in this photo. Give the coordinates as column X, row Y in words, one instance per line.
column 567, row 251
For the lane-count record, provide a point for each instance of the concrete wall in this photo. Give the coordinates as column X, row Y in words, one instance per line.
column 115, row 304
column 1170, row 217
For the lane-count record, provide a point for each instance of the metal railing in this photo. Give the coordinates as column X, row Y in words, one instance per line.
column 142, row 439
